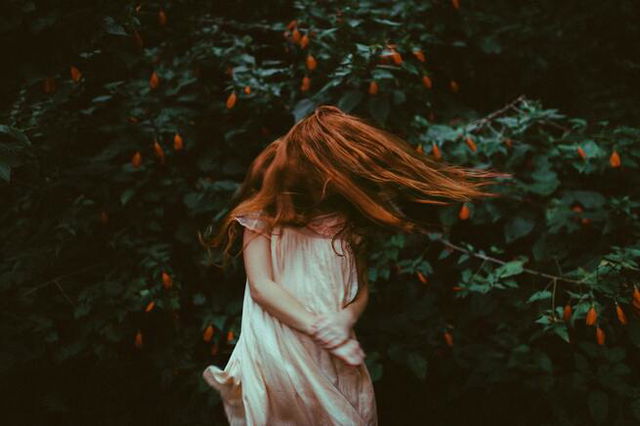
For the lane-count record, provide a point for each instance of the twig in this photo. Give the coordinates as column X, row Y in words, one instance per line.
column 502, row 262
column 64, row 293
column 476, row 125
column 53, row 280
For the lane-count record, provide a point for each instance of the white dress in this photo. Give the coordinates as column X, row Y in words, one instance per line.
column 277, row 375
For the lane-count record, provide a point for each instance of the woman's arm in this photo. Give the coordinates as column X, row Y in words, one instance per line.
column 274, row 298
column 357, row 306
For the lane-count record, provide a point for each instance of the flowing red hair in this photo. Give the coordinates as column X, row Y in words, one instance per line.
column 332, row 161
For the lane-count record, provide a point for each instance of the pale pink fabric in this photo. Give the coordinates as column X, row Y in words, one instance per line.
column 277, row 375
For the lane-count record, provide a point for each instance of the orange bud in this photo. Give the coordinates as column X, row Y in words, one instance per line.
column 508, row 142
column 419, row 149
column 306, row 83
column 577, row 208
column 471, row 144
column 636, row 294
column 373, row 87
column 600, row 335
column 614, row 159
column 304, row 41
column 436, row 151
column 621, row 315
column 136, row 160
column 104, row 217
column 448, row 337
column 178, row 144
column 137, row 38
column 311, row 62
column 133, row 120
column 231, row 99
column 49, row 85
column 247, row 90
column 422, row 278
column 426, row 82
column 138, row 8
column 456, row 4
column 419, row 55
column 581, row 153
column 158, row 151
column 230, row 336
column 453, row 85
column 76, row 75
column 154, row 80
column 162, row 17
column 295, row 35
column 292, row 24
column 167, row 281
column 591, row 316
column 456, row 288
column 568, row 311
column 397, row 58
column 464, row 212
column 138, row 340
column 150, row 306
column 208, row 333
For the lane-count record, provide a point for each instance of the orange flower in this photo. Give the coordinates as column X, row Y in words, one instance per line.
column 208, row 333
column 453, row 85
column 614, row 159
column 214, row 348
column 448, row 338
column 304, row 41
column 464, row 212
column 436, row 151
column 292, row 24
column 621, row 315
column 76, row 75
column 178, row 143
column 456, row 4
column 247, row 90
column 419, row 55
column 104, row 217
column 471, row 144
column 136, row 160
column 138, row 340
column 311, row 62
column 162, row 17
column 600, row 335
column 230, row 336
column 150, row 306
column 154, row 80
column 167, row 281
column 231, row 99
column 397, row 58
column 577, row 208
column 306, row 83
column 591, row 316
column 373, row 87
column 158, row 151
column 581, row 153
column 419, row 149
column 422, row 278
column 456, row 288
column 426, row 81
column 568, row 311
column 636, row 295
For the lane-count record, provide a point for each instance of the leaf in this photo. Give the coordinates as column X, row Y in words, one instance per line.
column 112, row 27
column 302, row 108
column 509, row 269
column 598, row 405
column 379, row 108
column 417, row 364
column 350, row 100
column 518, row 227
column 539, row 295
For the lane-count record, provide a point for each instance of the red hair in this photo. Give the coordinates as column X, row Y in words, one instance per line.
column 332, row 161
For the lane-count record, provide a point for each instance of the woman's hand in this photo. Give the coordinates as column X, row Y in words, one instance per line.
column 332, row 329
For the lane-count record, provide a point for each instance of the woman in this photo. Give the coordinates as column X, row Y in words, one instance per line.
column 333, row 178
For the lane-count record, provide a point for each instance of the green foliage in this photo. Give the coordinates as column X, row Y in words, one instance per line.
column 87, row 235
